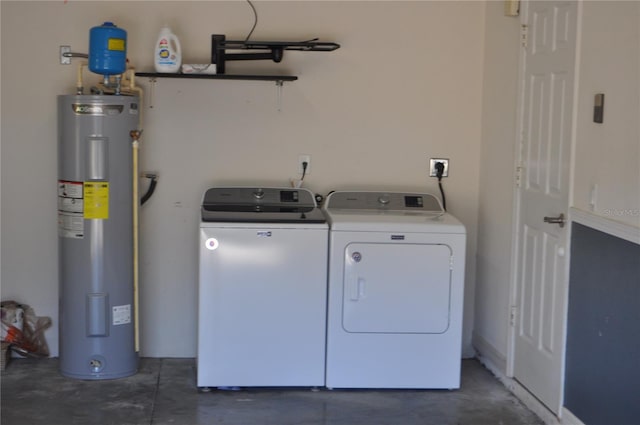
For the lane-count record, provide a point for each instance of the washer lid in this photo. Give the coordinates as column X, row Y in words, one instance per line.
column 255, row 204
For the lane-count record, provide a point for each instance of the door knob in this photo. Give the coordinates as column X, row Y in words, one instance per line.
column 560, row 220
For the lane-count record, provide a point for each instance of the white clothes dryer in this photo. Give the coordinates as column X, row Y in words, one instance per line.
column 396, row 284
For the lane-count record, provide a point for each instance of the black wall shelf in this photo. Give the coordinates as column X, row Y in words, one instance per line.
column 219, row 76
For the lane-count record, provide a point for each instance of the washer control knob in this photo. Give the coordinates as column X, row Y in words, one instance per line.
column 258, row 194
column 356, row 256
column 384, row 199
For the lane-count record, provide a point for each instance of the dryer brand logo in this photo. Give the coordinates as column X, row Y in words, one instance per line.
column 91, row 109
column 264, row 234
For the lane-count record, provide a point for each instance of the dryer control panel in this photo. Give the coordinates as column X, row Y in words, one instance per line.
column 385, row 201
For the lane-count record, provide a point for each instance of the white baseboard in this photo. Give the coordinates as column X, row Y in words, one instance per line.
column 532, row 403
column 569, row 418
column 486, row 350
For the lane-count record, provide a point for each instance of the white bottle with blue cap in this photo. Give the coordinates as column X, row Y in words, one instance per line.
column 168, row 54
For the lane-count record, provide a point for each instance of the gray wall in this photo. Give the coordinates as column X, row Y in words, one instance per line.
column 603, row 331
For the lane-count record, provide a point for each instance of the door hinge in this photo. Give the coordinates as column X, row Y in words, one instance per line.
column 519, row 176
column 513, row 315
column 524, row 35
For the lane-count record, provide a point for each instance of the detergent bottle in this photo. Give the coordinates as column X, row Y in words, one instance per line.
column 168, row 54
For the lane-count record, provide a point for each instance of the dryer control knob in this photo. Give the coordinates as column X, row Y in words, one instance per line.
column 258, row 194
column 384, row 199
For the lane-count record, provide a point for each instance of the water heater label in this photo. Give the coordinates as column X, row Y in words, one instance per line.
column 93, row 109
column 70, row 225
column 121, row 314
column 70, row 205
column 70, row 209
column 70, row 189
column 96, row 200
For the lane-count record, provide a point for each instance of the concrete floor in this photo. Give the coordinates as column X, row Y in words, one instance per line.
column 163, row 392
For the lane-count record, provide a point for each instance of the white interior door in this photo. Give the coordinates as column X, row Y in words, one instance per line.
column 549, row 47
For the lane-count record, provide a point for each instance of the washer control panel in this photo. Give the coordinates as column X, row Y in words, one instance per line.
column 260, row 204
column 229, row 197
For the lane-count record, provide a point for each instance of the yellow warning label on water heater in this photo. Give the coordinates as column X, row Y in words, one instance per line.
column 116, row 44
column 96, row 200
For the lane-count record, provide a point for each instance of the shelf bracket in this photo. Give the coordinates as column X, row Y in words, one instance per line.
column 152, row 89
column 279, row 84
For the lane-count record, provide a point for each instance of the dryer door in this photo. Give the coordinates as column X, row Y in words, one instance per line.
column 396, row 288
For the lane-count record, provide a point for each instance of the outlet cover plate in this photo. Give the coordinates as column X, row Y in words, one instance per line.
column 307, row 159
column 432, row 167
column 63, row 59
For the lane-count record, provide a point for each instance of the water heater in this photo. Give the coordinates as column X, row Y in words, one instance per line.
column 95, row 226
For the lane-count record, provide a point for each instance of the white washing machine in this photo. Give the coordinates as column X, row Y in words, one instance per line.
column 262, row 288
column 396, row 284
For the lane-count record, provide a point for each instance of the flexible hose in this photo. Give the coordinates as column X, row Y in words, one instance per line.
column 150, row 190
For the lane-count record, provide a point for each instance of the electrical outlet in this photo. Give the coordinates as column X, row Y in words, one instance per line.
column 307, row 159
column 432, row 167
